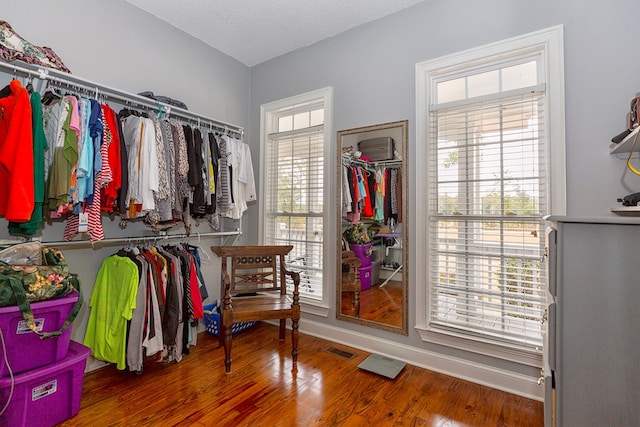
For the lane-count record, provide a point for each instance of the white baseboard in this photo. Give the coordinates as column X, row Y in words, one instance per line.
column 500, row 379
column 93, row 364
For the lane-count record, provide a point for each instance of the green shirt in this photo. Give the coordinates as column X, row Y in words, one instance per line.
column 113, row 300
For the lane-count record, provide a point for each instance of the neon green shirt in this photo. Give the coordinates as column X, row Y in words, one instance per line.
column 113, row 300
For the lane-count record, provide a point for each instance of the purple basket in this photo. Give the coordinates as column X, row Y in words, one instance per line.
column 48, row 395
column 362, row 252
column 24, row 349
column 365, row 277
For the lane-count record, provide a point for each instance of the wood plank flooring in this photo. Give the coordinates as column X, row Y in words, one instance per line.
column 379, row 304
column 328, row 390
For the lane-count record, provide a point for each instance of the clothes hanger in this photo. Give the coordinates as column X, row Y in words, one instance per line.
column 29, row 85
column 203, row 253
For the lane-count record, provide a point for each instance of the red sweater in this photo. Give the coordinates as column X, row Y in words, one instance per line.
column 16, row 155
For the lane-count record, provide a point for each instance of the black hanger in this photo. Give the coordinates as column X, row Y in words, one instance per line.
column 49, row 96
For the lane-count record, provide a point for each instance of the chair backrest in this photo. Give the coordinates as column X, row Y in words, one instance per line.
column 250, row 269
column 350, row 266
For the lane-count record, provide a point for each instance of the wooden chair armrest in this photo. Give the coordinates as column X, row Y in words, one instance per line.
column 226, row 291
column 295, row 276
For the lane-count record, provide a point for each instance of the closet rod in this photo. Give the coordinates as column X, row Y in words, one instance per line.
column 43, row 73
column 347, row 160
column 159, row 238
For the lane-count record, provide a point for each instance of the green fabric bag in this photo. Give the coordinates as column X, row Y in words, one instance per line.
column 23, row 284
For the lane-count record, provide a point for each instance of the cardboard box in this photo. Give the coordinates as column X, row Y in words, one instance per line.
column 24, row 349
column 48, row 395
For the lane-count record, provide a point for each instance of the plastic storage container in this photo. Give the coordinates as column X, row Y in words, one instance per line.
column 46, row 396
column 365, row 277
column 24, row 349
column 362, row 252
column 375, row 272
column 212, row 321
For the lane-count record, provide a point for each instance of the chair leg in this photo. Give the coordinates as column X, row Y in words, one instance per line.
column 294, row 342
column 227, row 348
column 356, row 304
column 283, row 325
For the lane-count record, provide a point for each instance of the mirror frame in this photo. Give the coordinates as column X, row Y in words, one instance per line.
column 403, row 126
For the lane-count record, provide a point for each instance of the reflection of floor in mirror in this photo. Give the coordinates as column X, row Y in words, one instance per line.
column 379, row 304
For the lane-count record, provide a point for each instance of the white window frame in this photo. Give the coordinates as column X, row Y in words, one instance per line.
column 550, row 40
column 267, row 114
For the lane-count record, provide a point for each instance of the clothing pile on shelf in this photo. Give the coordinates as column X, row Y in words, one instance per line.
column 373, row 192
column 146, row 302
column 73, row 157
column 15, row 47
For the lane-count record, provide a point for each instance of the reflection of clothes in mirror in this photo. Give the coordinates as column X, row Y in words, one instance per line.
column 371, row 195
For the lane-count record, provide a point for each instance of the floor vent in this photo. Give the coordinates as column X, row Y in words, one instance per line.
column 339, row 352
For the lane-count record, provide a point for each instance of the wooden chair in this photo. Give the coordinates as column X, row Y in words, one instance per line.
column 254, row 288
column 350, row 281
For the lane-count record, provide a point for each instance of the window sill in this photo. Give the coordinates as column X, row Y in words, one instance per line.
column 513, row 354
column 315, row 309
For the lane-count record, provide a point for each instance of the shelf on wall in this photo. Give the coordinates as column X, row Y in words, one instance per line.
column 627, row 210
column 626, row 145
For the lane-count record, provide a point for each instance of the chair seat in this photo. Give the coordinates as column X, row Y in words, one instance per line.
column 260, row 307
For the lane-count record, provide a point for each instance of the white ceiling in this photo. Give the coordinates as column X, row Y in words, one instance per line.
column 254, row 31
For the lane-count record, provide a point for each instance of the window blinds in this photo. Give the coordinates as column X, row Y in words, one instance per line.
column 294, row 200
column 487, row 197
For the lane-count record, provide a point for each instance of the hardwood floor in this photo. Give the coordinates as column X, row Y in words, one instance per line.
column 379, row 304
column 329, row 390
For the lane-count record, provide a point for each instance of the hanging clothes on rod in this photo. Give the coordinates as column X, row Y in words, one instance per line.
column 146, row 302
column 161, row 168
column 371, row 190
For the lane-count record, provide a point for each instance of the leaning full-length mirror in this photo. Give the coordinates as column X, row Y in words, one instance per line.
column 372, row 226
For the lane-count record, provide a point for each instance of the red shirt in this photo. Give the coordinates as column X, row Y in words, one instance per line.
column 16, row 155
column 110, row 193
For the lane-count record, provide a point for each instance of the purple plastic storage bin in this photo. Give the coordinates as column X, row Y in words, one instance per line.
column 365, row 277
column 362, row 252
column 46, row 396
column 24, row 349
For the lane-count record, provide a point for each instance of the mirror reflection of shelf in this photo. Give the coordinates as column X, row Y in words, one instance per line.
column 347, row 160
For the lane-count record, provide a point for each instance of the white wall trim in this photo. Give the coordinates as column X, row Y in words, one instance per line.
column 484, row 347
column 266, row 113
column 500, row 379
column 318, row 310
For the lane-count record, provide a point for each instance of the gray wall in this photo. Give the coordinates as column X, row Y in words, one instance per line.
column 118, row 45
column 371, row 70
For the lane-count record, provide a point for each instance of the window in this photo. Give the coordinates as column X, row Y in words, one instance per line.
column 489, row 139
column 293, row 185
